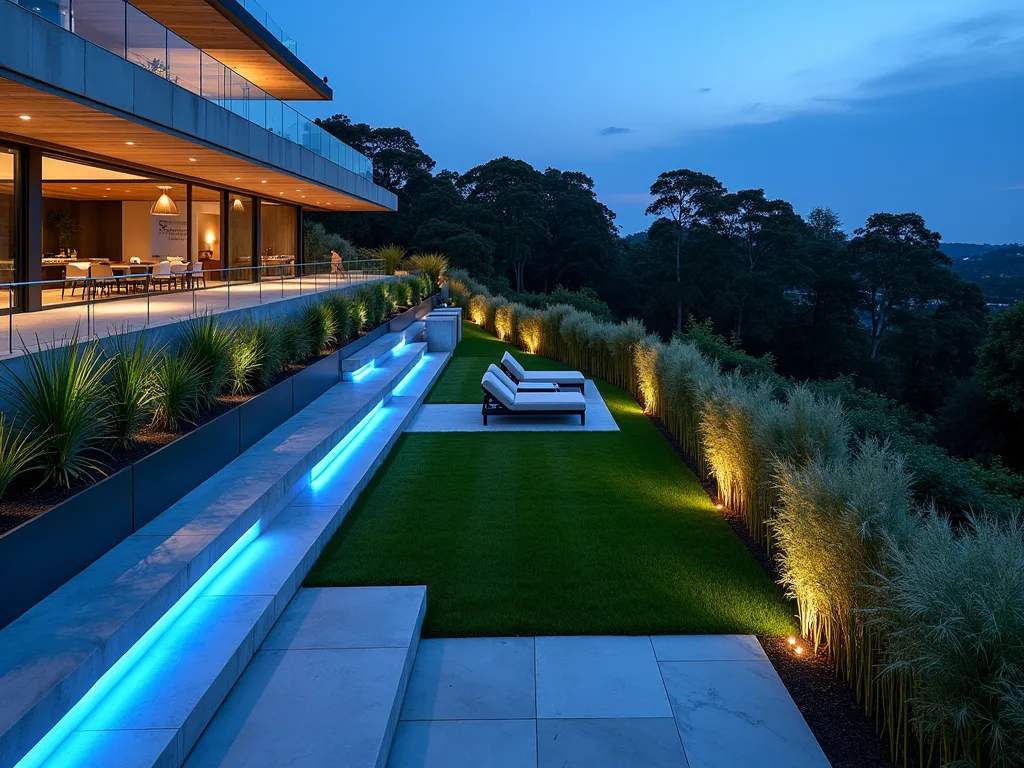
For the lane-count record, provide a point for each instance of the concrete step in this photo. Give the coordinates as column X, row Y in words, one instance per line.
column 327, row 686
column 168, row 660
column 355, row 366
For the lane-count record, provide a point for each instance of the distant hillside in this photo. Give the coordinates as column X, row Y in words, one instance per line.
column 958, row 251
column 636, row 238
column 999, row 272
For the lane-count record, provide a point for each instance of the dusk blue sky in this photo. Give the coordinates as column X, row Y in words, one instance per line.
column 873, row 105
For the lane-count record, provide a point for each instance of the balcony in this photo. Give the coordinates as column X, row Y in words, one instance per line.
column 124, row 30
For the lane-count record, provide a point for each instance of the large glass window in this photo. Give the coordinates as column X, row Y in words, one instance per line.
column 207, row 248
column 240, row 247
column 8, row 223
column 279, row 229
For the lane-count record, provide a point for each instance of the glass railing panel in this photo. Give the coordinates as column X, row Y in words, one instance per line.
column 291, row 124
column 215, row 81
column 257, row 106
column 55, row 11
column 238, row 95
column 184, row 63
column 147, row 42
column 101, row 22
column 275, row 116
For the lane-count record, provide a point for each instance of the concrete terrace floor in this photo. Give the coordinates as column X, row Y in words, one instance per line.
column 599, row 702
column 105, row 317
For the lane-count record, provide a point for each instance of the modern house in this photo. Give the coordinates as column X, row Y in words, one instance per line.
column 133, row 134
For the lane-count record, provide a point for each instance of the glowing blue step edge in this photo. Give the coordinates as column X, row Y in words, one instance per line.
column 328, row 466
column 123, row 667
column 398, row 346
column 399, row 389
column 359, row 374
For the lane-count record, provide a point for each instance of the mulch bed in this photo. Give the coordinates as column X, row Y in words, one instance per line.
column 847, row 736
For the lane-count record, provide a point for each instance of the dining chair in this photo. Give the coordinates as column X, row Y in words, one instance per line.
column 75, row 272
column 196, row 274
column 106, row 279
column 138, row 277
column 179, row 272
column 162, row 274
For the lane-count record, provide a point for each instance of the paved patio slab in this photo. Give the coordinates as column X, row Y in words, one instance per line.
column 602, row 702
column 599, row 677
column 738, row 713
column 487, row 678
column 465, row 744
column 652, row 742
column 465, row 417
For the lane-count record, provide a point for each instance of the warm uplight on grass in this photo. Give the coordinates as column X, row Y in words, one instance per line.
column 720, row 505
column 792, row 640
column 798, row 650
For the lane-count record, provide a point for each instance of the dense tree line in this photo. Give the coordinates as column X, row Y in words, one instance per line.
column 880, row 308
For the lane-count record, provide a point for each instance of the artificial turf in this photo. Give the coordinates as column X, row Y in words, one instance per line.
column 534, row 533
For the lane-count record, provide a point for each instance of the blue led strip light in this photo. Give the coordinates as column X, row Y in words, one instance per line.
column 329, row 464
column 124, row 665
column 363, row 371
column 399, row 389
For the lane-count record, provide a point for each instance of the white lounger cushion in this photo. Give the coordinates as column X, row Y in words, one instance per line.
column 550, row 401
column 555, row 377
column 538, row 386
column 498, row 391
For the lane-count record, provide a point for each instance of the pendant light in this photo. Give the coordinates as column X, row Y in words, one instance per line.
column 164, row 206
column 237, row 205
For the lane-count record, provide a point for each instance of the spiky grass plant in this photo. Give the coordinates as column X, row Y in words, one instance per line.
column 360, row 317
column 531, row 330
column 294, row 340
column 19, row 453
column 401, row 292
column 505, row 321
column 246, row 359
column 391, row 254
column 623, row 339
column 687, row 382
column 178, row 392
column 62, row 401
column 431, row 265
column 737, row 461
column 318, row 325
column 340, row 307
column 478, row 309
column 951, row 607
column 389, row 299
column 130, row 387
column 208, row 342
column 491, row 308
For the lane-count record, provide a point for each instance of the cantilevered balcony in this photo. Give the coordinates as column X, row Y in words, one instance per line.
column 131, row 34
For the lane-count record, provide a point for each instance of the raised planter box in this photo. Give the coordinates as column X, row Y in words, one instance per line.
column 165, row 476
column 264, row 413
column 46, row 551
column 309, row 383
column 411, row 315
column 43, row 553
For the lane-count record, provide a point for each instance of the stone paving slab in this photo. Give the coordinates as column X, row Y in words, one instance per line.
column 602, row 702
column 738, row 713
column 472, row 679
column 465, row 744
column 599, row 677
column 651, row 742
column 465, row 417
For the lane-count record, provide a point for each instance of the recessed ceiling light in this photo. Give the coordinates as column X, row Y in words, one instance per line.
column 130, row 143
column 191, row 159
column 263, row 181
column 238, row 178
column 24, row 117
column 303, row 197
column 280, row 193
column 108, row 189
column 74, row 188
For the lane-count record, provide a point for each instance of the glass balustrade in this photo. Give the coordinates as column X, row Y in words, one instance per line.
column 123, row 29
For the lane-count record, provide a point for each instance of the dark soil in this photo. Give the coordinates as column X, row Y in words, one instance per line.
column 847, row 736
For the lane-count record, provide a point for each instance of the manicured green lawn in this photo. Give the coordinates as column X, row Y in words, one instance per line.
column 532, row 533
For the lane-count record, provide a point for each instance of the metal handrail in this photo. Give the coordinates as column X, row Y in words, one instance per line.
column 318, row 276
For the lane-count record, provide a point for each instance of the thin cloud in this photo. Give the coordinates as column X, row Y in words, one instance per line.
column 613, row 130
column 704, row 90
column 627, row 198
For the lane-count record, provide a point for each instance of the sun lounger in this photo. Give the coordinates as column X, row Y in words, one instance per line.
column 523, row 386
column 499, row 400
column 564, row 379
